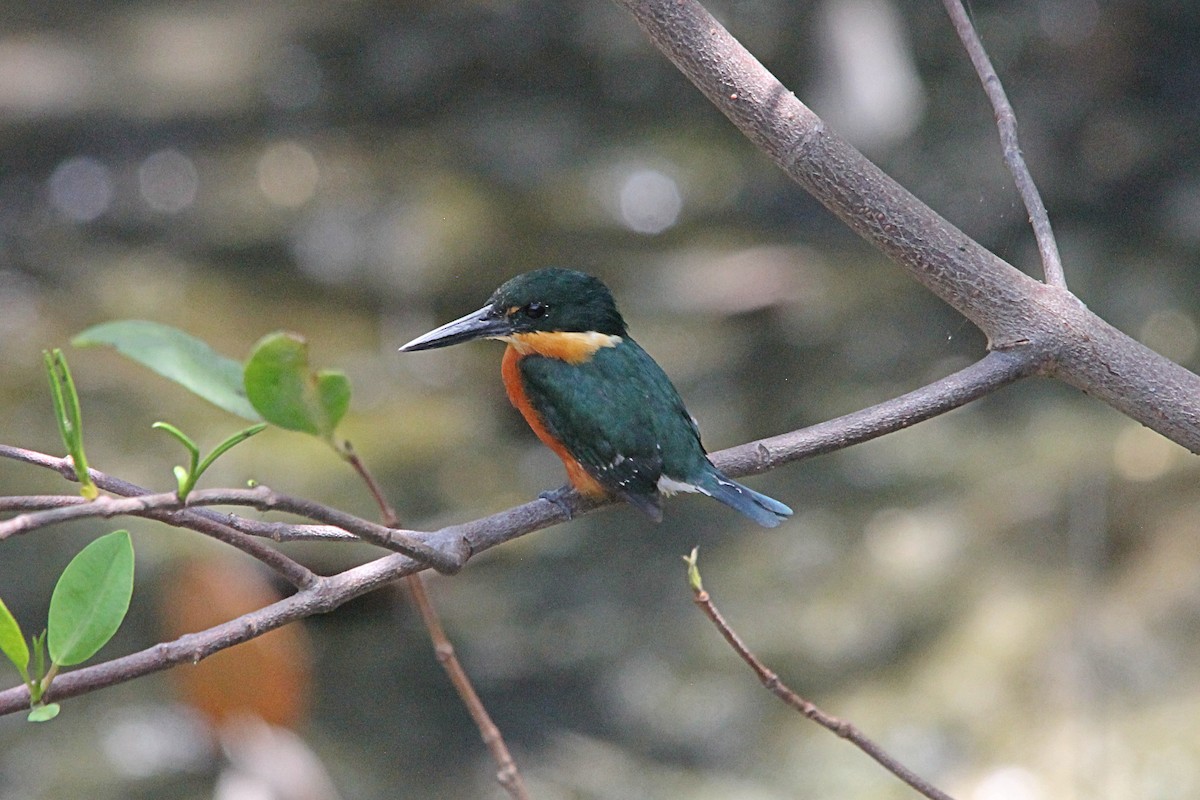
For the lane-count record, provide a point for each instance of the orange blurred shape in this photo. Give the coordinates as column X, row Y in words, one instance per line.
column 268, row 676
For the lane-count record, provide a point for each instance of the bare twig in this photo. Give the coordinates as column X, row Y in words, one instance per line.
column 1006, row 122
column 209, row 524
column 40, row 502
column 389, row 516
column 508, row 775
column 276, row 531
column 778, row 688
column 290, row 531
column 259, row 497
column 994, row 371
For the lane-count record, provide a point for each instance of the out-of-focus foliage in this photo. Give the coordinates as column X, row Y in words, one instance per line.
column 1006, row 597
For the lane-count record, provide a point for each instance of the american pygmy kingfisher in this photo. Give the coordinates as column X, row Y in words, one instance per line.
column 594, row 396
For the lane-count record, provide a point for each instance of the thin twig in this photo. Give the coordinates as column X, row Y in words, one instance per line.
column 40, row 502
column 389, row 516
column 777, row 687
column 290, row 531
column 994, row 371
column 508, row 775
column 199, row 520
column 276, row 531
column 259, row 497
column 292, row 571
column 1006, row 122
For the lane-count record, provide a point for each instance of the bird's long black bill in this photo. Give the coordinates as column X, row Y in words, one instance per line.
column 477, row 325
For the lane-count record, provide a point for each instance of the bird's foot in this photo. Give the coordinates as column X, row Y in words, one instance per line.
column 559, row 498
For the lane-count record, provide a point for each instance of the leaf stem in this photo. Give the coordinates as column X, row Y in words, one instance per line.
column 47, row 679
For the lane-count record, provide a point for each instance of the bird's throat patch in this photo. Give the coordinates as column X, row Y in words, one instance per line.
column 574, row 347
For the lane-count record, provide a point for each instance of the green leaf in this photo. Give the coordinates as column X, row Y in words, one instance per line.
column 70, row 420
column 186, row 477
column 90, row 599
column 693, row 570
column 176, row 355
column 12, row 641
column 182, row 438
column 44, row 713
column 288, row 394
column 226, row 446
column 333, row 389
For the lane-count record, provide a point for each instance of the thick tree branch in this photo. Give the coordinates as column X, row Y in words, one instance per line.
column 1072, row 343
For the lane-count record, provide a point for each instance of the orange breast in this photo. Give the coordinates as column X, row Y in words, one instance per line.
column 510, row 370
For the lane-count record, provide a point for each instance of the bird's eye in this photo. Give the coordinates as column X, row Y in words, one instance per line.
column 535, row 310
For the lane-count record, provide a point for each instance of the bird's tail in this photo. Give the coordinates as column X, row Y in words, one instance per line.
column 764, row 510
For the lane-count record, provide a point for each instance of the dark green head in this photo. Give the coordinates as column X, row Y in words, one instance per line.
column 556, row 299
column 552, row 299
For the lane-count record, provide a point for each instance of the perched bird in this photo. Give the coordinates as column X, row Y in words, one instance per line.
column 594, row 396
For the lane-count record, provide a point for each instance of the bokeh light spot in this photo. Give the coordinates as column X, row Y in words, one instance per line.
column 44, row 75
column 288, row 174
column 649, row 201
column 914, row 547
column 168, row 181
column 81, row 188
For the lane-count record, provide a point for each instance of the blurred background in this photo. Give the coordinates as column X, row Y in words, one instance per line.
column 1006, row 597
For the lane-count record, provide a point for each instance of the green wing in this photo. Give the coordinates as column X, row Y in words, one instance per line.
column 620, row 417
